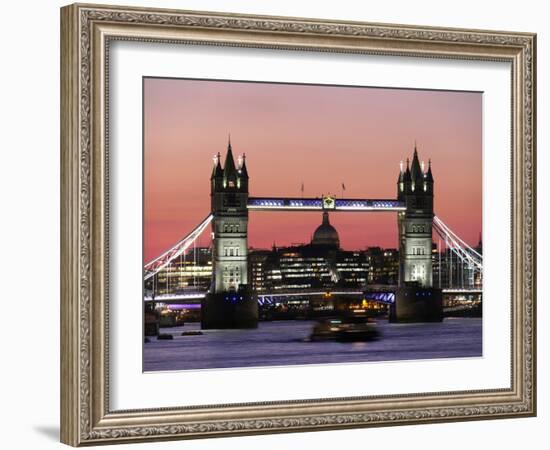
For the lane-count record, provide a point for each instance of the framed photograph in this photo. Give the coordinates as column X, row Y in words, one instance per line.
column 275, row 224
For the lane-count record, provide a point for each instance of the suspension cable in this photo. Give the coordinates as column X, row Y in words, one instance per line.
column 159, row 263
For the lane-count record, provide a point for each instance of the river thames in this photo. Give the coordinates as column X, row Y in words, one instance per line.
column 282, row 343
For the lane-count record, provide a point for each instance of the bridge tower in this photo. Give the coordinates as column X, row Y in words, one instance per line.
column 416, row 299
column 229, row 303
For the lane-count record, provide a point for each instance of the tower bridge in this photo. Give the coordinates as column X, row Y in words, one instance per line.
column 230, row 303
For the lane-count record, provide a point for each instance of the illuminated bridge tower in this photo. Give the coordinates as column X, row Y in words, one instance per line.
column 416, row 299
column 229, row 303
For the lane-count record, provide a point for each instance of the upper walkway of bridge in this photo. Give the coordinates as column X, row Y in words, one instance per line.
column 325, row 203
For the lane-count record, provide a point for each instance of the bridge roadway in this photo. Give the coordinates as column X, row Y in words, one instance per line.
column 382, row 293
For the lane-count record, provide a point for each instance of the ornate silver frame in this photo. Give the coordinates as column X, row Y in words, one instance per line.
column 86, row 31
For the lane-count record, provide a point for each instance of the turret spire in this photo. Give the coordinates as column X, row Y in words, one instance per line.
column 407, row 175
column 242, row 170
column 229, row 166
column 217, row 170
column 215, row 161
column 416, row 171
column 401, row 173
column 429, row 176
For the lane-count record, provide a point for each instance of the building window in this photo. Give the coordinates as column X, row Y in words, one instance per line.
column 419, row 228
column 231, row 228
column 418, row 273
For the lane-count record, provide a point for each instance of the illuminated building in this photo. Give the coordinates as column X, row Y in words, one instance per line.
column 257, row 265
column 450, row 271
column 192, row 271
column 321, row 264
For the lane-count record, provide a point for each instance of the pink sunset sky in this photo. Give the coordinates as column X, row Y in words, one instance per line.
column 321, row 136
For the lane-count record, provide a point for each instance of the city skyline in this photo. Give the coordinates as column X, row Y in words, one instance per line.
column 318, row 137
